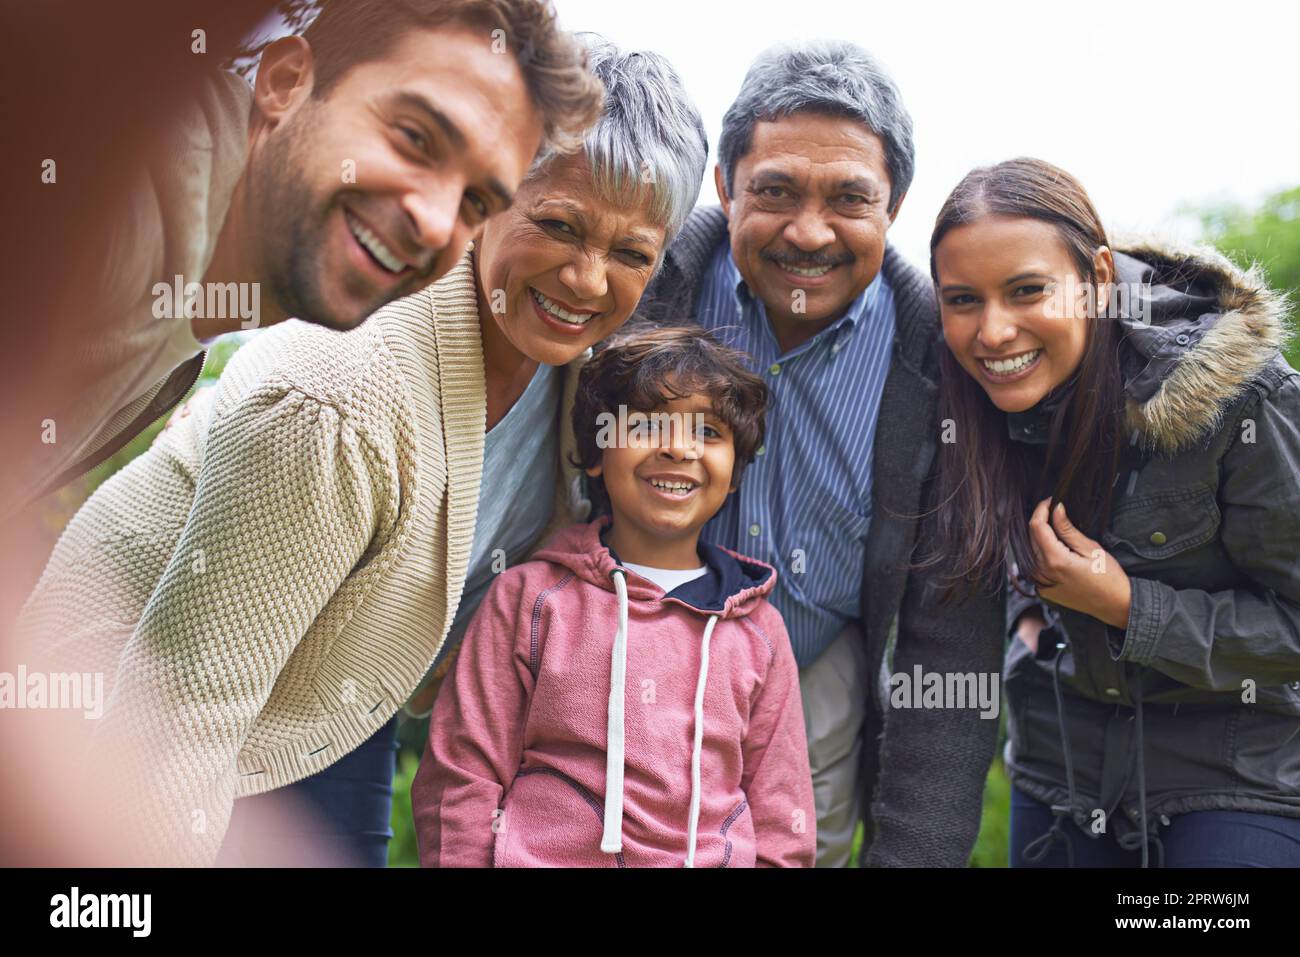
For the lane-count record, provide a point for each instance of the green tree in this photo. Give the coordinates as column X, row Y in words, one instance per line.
column 1268, row 235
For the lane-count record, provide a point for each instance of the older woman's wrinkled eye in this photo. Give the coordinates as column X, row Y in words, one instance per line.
column 637, row 257
column 557, row 225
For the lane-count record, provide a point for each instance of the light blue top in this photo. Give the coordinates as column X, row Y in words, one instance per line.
column 516, row 497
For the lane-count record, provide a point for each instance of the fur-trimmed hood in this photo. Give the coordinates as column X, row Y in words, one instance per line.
column 1198, row 330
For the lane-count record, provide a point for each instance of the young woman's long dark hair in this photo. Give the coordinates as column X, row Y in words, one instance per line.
column 988, row 486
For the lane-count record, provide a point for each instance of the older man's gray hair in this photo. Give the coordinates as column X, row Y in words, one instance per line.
column 831, row 77
column 649, row 133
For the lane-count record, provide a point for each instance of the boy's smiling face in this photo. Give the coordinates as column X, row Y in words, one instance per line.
column 663, row 488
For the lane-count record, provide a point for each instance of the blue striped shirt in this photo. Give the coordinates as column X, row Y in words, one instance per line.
column 804, row 503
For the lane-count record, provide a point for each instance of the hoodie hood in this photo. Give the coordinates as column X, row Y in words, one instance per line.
column 732, row 588
column 1200, row 329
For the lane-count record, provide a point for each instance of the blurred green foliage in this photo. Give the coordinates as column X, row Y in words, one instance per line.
column 402, row 850
column 1268, row 235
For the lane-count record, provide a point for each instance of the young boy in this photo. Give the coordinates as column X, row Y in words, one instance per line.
column 628, row 698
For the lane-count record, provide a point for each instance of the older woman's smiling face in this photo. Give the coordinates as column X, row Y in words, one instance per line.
column 563, row 268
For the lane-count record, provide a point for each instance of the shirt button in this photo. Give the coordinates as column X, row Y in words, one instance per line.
column 1113, row 692
column 1158, row 538
column 774, row 368
column 1183, row 338
column 754, row 530
column 761, row 449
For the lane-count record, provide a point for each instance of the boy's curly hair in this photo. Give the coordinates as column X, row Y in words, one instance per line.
column 645, row 366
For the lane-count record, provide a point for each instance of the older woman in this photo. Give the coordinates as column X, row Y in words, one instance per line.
column 268, row 585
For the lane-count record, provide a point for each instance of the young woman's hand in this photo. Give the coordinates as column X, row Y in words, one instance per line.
column 1087, row 578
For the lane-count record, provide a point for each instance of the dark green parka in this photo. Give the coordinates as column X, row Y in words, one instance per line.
column 1196, row 704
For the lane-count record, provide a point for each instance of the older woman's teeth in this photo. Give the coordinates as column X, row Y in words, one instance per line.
column 1009, row 366
column 559, row 312
column 811, row 273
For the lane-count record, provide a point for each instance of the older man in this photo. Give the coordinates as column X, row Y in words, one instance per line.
column 355, row 171
column 815, row 160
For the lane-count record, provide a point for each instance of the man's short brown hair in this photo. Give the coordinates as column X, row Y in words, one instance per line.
column 646, row 366
column 553, row 62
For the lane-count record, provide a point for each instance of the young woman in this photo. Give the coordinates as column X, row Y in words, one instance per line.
column 1127, row 458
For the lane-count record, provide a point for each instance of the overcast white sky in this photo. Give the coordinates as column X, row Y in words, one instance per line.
column 1149, row 104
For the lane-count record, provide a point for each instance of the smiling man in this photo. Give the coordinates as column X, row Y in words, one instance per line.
column 814, row 162
column 355, row 171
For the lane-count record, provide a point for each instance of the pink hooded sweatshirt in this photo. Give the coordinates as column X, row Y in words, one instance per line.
column 697, row 758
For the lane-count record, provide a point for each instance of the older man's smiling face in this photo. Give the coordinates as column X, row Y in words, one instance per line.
column 807, row 213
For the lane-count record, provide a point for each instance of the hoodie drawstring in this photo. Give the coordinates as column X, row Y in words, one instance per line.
column 699, row 740
column 611, row 841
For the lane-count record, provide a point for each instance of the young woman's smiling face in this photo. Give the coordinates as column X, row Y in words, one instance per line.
column 1015, row 310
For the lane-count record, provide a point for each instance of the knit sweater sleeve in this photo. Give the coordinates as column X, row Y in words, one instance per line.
column 287, row 504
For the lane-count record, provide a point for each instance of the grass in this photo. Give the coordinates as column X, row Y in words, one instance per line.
column 402, row 851
column 991, row 845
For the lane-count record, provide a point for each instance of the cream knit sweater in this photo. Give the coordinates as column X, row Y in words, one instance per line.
column 266, row 586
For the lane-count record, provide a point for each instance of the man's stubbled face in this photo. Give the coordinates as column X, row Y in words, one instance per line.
column 374, row 190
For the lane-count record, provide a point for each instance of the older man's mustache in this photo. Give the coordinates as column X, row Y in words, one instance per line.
column 807, row 260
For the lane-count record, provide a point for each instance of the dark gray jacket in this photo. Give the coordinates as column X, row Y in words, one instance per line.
column 1204, row 685
column 924, row 770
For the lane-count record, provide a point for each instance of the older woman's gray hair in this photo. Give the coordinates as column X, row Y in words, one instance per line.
column 648, row 133
column 831, row 77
